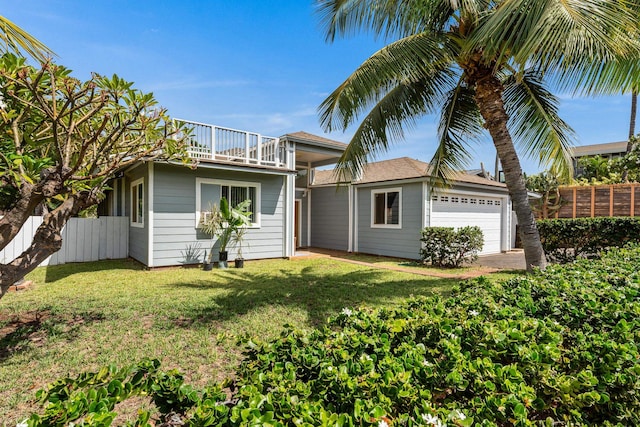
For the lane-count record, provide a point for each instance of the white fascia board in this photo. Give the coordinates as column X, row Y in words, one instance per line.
column 238, row 168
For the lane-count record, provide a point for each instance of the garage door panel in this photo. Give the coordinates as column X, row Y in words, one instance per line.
column 458, row 214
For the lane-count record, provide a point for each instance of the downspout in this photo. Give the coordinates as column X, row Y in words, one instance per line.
column 150, row 215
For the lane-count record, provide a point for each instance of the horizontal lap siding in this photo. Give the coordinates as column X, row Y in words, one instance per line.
column 330, row 218
column 402, row 243
column 138, row 236
column 175, row 218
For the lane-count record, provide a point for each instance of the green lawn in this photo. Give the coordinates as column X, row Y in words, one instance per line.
column 78, row 317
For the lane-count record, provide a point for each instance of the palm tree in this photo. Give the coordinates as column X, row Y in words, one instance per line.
column 482, row 64
column 15, row 39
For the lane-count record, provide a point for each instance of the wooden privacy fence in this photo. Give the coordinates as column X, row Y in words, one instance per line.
column 83, row 239
column 600, row 200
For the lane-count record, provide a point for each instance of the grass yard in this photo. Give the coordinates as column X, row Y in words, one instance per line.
column 79, row 317
column 413, row 265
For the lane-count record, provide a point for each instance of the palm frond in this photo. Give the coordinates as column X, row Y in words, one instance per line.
column 388, row 120
column 388, row 18
column 460, row 124
column 601, row 78
column 412, row 58
column 16, row 40
column 535, row 124
column 559, row 35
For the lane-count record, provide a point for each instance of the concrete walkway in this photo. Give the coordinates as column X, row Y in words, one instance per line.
column 484, row 265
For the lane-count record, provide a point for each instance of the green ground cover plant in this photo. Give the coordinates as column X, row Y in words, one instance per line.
column 558, row 347
column 80, row 317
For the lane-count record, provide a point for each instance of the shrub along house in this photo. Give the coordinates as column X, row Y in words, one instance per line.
column 383, row 211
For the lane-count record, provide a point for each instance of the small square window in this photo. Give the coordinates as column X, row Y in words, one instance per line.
column 386, row 208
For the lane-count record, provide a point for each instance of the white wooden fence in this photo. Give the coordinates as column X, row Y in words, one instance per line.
column 83, row 239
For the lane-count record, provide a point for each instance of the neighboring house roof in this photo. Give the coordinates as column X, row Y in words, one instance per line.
column 599, row 149
column 398, row 169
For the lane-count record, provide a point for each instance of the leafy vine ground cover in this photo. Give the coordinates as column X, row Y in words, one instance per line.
column 553, row 348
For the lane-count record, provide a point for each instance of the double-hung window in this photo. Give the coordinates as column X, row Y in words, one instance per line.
column 137, row 203
column 386, row 208
column 210, row 191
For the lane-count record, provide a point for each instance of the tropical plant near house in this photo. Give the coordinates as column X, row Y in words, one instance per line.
column 222, row 223
column 63, row 140
column 447, row 247
column 594, row 170
column 482, row 64
column 547, row 185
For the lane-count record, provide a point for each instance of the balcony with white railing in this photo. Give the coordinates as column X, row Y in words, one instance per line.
column 215, row 143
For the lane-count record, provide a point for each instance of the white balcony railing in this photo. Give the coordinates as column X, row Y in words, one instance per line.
column 210, row 142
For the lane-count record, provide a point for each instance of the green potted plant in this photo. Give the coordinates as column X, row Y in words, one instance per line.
column 222, row 223
column 238, row 240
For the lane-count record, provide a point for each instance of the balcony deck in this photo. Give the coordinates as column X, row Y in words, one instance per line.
column 216, row 143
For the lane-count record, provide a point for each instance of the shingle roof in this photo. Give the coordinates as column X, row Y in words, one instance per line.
column 398, row 169
column 311, row 138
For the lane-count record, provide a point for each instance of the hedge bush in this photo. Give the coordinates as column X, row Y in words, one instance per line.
column 560, row 347
column 446, row 247
column 565, row 240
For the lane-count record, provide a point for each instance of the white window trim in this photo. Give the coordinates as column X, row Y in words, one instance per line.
column 133, row 223
column 373, row 207
column 256, row 215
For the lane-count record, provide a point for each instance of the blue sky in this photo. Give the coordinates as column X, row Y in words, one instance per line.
column 247, row 64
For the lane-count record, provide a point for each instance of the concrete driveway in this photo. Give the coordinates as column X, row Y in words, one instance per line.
column 512, row 260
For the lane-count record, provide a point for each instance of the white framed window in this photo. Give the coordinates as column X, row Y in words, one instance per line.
column 210, row 191
column 386, row 208
column 137, row 203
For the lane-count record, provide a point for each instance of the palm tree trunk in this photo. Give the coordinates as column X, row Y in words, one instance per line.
column 489, row 99
column 632, row 120
column 632, row 129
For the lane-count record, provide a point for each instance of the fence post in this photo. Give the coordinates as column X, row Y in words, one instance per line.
column 633, row 201
column 611, row 200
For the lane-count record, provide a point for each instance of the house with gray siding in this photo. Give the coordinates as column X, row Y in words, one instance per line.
column 382, row 211
column 293, row 203
column 165, row 201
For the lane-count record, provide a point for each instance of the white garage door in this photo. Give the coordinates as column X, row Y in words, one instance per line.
column 458, row 210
